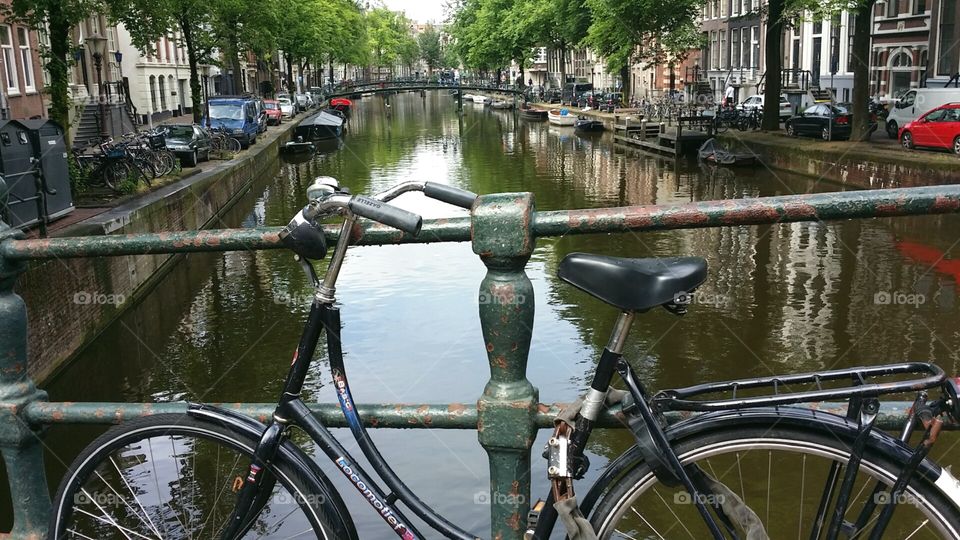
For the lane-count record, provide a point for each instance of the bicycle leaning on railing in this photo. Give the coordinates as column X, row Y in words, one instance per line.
column 752, row 464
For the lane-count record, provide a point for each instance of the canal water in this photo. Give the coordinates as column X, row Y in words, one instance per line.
column 780, row 298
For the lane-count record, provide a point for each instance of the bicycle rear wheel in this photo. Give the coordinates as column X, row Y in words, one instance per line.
column 173, row 476
column 114, row 173
column 780, row 473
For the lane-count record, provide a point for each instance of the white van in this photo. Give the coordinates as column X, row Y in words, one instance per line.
column 915, row 102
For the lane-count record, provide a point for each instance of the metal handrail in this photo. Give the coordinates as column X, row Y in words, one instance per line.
column 502, row 228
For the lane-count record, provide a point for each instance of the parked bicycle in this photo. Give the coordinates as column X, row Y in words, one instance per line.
column 222, row 142
column 752, row 464
column 725, row 118
column 111, row 165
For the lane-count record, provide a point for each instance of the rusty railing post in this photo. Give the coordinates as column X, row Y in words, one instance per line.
column 20, row 444
column 506, row 424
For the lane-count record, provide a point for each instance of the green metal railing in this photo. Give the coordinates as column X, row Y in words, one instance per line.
column 503, row 229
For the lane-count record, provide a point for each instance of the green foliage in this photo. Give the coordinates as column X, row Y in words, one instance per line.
column 430, row 49
column 630, row 31
column 389, row 39
column 79, row 177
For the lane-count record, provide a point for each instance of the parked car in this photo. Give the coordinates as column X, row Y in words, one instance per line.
column 939, row 128
column 287, row 108
column 274, row 114
column 916, row 102
column 753, row 103
column 261, row 114
column 573, row 91
column 553, row 95
column 817, row 119
column 611, row 101
column 302, row 101
column 238, row 115
column 189, row 142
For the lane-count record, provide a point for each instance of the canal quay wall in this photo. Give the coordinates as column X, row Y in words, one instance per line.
column 71, row 301
column 870, row 165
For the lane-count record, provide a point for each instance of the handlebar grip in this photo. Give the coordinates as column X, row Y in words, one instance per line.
column 382, row 212
column 449, row 194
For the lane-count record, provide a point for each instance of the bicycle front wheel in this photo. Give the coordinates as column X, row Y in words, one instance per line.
column 172, row 476
column 781, row 474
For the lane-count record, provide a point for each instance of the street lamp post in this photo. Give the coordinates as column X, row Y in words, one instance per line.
column 97, row 45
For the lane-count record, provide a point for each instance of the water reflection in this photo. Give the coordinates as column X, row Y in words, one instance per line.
column 785, row 297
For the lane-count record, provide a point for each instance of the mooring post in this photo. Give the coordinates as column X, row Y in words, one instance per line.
column 19, row 443
column 506, row 423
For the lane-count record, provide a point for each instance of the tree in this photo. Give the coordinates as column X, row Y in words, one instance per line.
column 774, row 60
column 389, row 39
column 863, row 11
column 626, row 32
column 148, row 20
column 558, row 25
column 59, row 16
column 430, row 50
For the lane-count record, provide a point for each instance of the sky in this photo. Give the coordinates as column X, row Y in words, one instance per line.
column 418, row 10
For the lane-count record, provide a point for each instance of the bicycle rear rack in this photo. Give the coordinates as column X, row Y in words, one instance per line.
column 680, row 399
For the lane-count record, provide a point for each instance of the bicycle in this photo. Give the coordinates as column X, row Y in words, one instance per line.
column 221, row 141
column 725, row 118
column 112, row 165
column 225, row 475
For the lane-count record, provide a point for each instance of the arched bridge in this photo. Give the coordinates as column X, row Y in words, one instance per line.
column 383, row 87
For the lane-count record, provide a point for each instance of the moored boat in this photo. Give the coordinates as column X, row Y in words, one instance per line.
column 341, row 104
column 561, row 117
column 501, row 104
column 322, row 125
column 584, row 124
column 482, row 99
column 534, row 114
column 712, row 152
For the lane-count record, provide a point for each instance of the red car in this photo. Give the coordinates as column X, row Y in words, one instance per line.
column 274, row 115
column 939, row 128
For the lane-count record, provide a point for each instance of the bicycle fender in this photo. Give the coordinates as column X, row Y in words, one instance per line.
column 331, row 503
column 795, row 417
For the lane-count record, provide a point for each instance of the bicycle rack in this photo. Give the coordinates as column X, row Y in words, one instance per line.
column 503, row 230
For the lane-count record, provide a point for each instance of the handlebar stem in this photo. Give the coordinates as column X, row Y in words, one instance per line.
column 327, row 291
column 399, row 189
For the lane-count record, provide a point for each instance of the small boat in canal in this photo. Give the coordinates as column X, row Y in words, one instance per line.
column 321, row 125
column 485, row 100
column 561, row 117
column 341, row 104
column 534, row 114
column 586, row 125
column 712, row 152
column 501, row 104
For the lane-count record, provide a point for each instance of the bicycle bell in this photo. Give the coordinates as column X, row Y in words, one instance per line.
column 321, row 187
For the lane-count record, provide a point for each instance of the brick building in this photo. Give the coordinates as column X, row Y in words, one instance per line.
column 21, row 92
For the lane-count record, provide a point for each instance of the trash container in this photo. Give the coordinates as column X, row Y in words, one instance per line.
column 16, row 153
column 50, row 148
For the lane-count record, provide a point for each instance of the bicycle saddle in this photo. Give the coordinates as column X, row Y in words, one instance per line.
column 633, row 284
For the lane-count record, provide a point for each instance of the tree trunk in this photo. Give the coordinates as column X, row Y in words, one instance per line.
column 773, row 50
column 59, row 27
column 624, row 87
column 331, row 71
column 289, row 58
column 196, row 92
column 861, row 71
column 563, row 65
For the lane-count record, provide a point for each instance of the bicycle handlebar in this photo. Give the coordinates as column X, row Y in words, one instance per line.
column 449, row 194
column 382, row 212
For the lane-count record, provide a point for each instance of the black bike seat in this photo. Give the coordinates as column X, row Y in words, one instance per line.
column 633, row 284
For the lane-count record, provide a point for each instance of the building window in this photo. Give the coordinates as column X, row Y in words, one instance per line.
column 756, row 48
column 9, row 60
column 724, row 54
column 735, row 48
column 893, row 8
column 818, row 26
column 920, row 7
column 26, row 59
column 723, row 8
column 901, row 60
column 949, row 54
column 715, row 52
column 43, row 37
column 153, row 93
column 745, row 45
column 735, row 8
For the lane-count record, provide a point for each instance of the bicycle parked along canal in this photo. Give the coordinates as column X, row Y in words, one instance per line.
column 753, row 463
